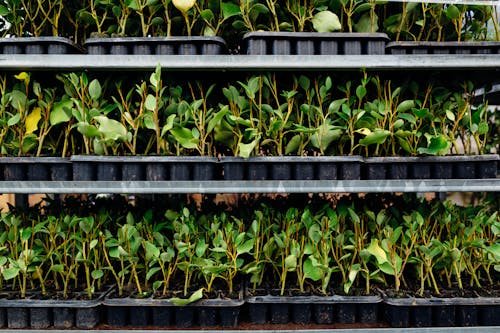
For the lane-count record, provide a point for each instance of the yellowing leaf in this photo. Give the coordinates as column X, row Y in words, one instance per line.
column 23, row 76
column 375, row 250
column 32, row 120
column 183, row 5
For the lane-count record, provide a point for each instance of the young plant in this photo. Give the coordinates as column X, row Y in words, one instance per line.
column 87, row 253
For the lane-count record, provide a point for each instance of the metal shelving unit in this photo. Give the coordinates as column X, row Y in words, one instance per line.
column 226, row 63
column 246, row 186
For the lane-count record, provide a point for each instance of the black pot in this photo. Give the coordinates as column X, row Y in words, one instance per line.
column 39, row 45
column 301, row 313
column 233, row 168
column 84, row 171
column 323, row 313
column 257, row 312
column 346, row 313
column 281, row 171
column 185, row 316
column 109, row 171
column 162, row 316
column 396, row 313
column 423, row 47
column 18, row 317
column 207, row 316
column 133, row 171
column 156, row 171
column 175, row 45
column 442, row 312
column 229, row 316
column 64, row 318
column 279, row 313
column 139, row 316
column 40, row 317
column 311, row 43
column 117, row 316
column 420, row 170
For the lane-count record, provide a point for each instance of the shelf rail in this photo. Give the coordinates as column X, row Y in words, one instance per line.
column 231, row 63
column 248, row 186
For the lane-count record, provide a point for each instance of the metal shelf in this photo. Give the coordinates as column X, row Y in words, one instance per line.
column 461, row 62
column 264, row 186
column 483, row 329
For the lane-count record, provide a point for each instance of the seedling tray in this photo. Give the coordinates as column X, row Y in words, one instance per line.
column 292, row 168
column 312, row 43
column 313, row 309
column 90, row 167
column 431, row 167
column 39, row 45
column 35, row 168
column 157, row 45
column 121, row 312
column 423, row 312
column 33, row 312
column 443, row 48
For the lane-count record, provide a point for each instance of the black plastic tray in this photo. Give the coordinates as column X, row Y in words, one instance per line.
column 157, row 45
column 39, row 45
column 35, row 168
column 45, row 313
column 423, row 312
column 91, row 167
column 314, row 43
column 431, row 167
column 443, row 48
column 292, row 168
column 314, row 309
column 121, row 312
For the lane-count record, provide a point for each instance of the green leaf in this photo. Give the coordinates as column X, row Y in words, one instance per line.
column 197, row 295
column 59, row 268
column 366, row 23
column 87, row 129
column 93, row 243
column 4, row 11
column 290, row 262
column 310, row 271
column 10, row 273
column 353, row 273
column 450, row 115
column 324, row 136
column 97, row 274
column 452, row 12
column 246, row 247
column 405, row 106
column 207, row 15
column 326, row 21
column 438, row 145
column 14, row 119
column 168, row 126
column 360, row 92
column 293, row 145
column 111, row 129
column 377, row 137
column 483, row 128
column 230, row 9
column 150, row 103
column 217, row 119
column 245, row 149
column 95, row 90
column 152, row 252
column 185, row 137
column 61, row 112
